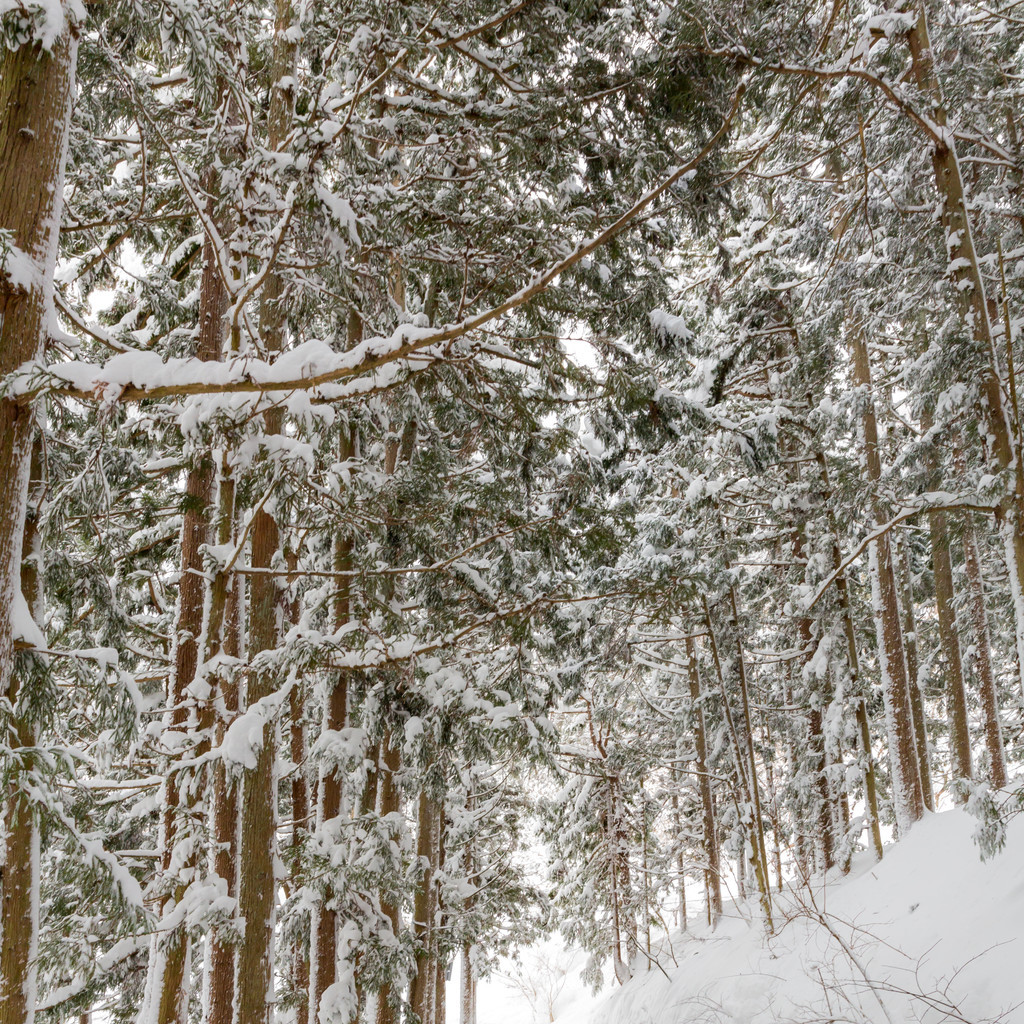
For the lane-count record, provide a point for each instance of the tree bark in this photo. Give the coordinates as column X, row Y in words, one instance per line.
column 956, row 695
column 965, row 273
column 421, row 997
column 36, row 95
column 983, row 659
column 913, row 678
column 853, row 663
column 908, row 800
column 713, row 874
column 254, row 969
column 171, row 962
column 19, row 910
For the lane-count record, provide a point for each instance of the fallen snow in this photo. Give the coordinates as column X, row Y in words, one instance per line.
column 932, row 934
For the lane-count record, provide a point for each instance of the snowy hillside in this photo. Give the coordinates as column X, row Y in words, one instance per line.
column 931, row 935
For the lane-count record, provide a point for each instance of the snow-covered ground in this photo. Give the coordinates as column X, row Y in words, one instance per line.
column 930, row 935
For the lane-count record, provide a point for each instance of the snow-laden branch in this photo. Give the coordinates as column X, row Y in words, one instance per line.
column 137, row 376
column 943, row 503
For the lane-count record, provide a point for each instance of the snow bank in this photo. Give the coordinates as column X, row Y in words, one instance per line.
column 930, row 935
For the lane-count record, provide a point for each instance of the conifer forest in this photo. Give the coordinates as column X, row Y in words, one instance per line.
column 489, row 475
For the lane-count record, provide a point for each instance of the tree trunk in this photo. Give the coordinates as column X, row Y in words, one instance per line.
column 390, row 803
column 421, row 997
column 36, row 95
column 956, row 695
column 325, row 929
column 853, row 663
column 746, row 787
column 170, row 965
column 965, row 272
column 913, row 675
column 254, row 969
column 908, row 800
column 983, row 659
column 19, row 911
column 467, row 1005
column 707, row 800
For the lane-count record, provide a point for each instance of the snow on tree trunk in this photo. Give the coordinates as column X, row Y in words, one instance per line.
column 713, row 873
column 908, row 801
column 19, row 913
column 965, row 272
column 37, row 86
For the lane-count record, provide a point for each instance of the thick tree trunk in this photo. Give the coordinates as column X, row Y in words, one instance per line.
column 254, row 967
column 908, row 800
column 19, row 911
column 36, row 95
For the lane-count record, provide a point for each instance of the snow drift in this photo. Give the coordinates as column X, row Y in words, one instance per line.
column 931, row 934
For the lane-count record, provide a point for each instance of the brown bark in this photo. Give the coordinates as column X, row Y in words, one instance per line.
column 913, row 679
column 713, row 875
column 983, row 659
column 36, row 95
column 956, row 696
column 223, row 634
column 421, row 997
column 19, row 910
column 908, row 799
column 969, row 285
column 254, row 968
column 171, row 983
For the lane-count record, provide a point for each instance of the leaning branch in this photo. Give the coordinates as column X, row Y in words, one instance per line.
column 375, row 353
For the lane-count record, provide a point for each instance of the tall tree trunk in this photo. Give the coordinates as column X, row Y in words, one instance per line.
column 220, row 980
column 170, row 964
column 254, row 968
column 36, row 95
column 707, row 801
column 956, row 695
column 388, row 1010
column 421, row 998
column 913, row 674
column 853, row 663
column 965, row 271
column 467, row 1005
column 983, row 659
column 19, row 872
column 908, row 800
